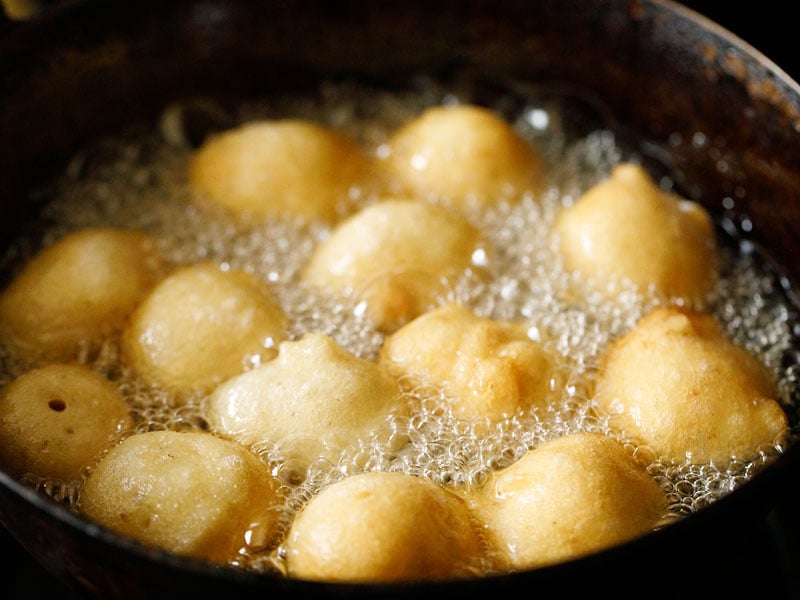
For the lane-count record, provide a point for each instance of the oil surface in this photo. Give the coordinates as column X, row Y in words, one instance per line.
column 137, row 180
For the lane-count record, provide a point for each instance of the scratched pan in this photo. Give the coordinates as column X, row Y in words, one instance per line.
column 85, row 69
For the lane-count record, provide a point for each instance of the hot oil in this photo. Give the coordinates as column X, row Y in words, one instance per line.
column 137, row 181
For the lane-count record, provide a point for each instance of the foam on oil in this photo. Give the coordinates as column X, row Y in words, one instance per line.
column 137, row 181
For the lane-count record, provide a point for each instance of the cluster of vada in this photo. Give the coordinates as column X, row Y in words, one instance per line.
column 675, row 382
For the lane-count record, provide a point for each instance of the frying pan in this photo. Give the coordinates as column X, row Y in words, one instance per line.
column 85, row 69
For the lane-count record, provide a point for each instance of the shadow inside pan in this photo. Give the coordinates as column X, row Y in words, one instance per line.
column 136, row 64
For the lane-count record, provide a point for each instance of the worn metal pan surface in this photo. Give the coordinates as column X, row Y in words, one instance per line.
column 89, row 68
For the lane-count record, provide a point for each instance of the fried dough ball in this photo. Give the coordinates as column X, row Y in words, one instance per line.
column 397, row 256
column 677, row 383
column 314, row 399
column 626, row 227
column 189, row 493
column 77, row 291
column 463, row 153
column 279, row 168
column 202, row 325
column 58, row 419
column 487, row 368
column 577, row 494
column 383, row 527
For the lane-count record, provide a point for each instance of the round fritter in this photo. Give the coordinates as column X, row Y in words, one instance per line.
column 398, row 256
column 626, row 227
column 188, row 493
column 202, row 325
column 462, row 153
column 280, row 168
column 383, row 527
column 678, row 384
column 577, row 494
column 486, row 368
column 313, row 400
column 55, row 421
column 76, row 292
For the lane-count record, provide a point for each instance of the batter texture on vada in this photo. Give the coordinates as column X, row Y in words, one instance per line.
column 202, row 325
column 626, row 227
column 313, row 400
column 399, row 256
column 486, row 368
column 571, row 496
column 57, row 420
column 463, row 153
column 280, row 168
column 189, row 493
column 677, row 383
column 76, row 292
column 382, row 527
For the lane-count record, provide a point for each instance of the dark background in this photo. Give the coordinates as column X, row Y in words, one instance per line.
column 767, row 25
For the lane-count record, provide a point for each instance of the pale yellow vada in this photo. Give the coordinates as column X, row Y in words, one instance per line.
column 202, row 325
column 486, row 368
column 76, row 292
column 313, row 400
column 400, row 257
column 57, row 420
column 279, row 168
column 462, row 153
column 575, row 495
column 189, row 493
column 627, row 228
column 384, row 527
column 678, row 384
